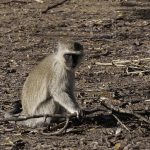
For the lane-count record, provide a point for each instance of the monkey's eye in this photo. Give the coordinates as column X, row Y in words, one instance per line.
column 67, row 57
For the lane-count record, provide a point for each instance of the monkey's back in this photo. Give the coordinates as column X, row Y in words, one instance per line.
column 35, row 89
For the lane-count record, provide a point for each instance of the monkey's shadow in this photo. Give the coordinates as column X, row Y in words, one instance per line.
column 79, row 126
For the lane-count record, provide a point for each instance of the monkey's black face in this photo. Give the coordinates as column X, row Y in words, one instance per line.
column 72, row 60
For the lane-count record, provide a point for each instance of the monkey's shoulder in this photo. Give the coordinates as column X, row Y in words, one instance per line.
column 44, row 65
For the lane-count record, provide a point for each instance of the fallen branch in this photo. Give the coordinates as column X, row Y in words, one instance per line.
column 147, row 100
column 109, row 108
column 136, row 72
column 104, row 64
column 123, row 63
column 120, row 122
column 23, row 118
column 123, row 111
column 60, row 131
column 54, row 6
column 142, row 60
column 15, row 1
column 133, row 67
column 39, row 1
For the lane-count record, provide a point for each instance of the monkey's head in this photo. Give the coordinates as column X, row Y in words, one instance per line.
column 70, row 53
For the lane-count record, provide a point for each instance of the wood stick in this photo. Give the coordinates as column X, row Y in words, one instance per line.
column 23, row 118
column 53, row 6
column 122, row 63
column 123, row 111
column 120, row 122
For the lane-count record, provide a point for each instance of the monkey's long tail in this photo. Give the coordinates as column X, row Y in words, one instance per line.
column 61, row 130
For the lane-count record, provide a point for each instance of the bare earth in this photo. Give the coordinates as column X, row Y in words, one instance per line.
column 109, row 30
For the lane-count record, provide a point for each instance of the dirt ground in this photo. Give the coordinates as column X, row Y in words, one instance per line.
column 109, row 30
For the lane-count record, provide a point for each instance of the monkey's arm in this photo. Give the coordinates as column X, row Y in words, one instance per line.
column 67, row 101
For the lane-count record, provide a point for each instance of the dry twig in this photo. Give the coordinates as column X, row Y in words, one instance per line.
column 124, row 63
column 39, row 1
column 108, row 107
column 23, row 118
column 54, row 6
column 15, row 1
column 133, row 67
column 136, row 72
column 120, row 122
column 123, row 111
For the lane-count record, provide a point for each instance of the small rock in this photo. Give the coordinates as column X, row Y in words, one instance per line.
column 94, row 145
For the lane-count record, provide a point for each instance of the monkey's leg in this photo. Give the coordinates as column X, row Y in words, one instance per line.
column 47, row 107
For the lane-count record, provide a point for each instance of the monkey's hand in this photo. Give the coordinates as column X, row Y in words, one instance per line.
column 79, row 113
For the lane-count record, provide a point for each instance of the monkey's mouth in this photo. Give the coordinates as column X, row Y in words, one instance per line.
column 74, row 65
column 71, row 66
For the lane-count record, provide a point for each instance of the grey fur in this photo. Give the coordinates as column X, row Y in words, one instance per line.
column 49, row 88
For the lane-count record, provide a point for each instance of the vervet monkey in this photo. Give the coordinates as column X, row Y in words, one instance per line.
column 49, row 88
